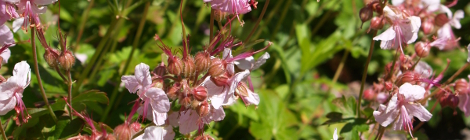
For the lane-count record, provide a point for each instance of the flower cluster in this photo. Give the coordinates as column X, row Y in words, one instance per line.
column 406, row 85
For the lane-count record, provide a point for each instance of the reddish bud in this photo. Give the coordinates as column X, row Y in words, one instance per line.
column 189, row 69
column 221, row 80
column 160, row 70
column 203, row 109
column 427, row 27
column 369, row 94
column 123, row 131
column 203, row 61
column 185, row 101
column 441, row 19
column 365, row 14
column 388, row 86
column 422, row 49
column 203, row 137
column 175, row 66
column 408, row 77
column 51, row 56
column 217, row 67
column 461, row 86
column 200, row 93
column 66, row 60
column 377, row 23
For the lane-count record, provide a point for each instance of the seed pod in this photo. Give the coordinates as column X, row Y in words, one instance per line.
column 388, row 86
column 422, row 49
column 66, row 60
column 203, row 109
column 175, row 66
column 441, row 19
column 203, row 61
column 461, row 86
column 365, row 14
column 217, row 67
column 51, row 56
column 200, row 93
column 189, row 68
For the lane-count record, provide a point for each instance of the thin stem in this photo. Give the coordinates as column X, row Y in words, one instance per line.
column 135, row 43
column 364, row 75
column 56, row 68
column 3, row 131
column 70, row 83
column 340, row 67
column 257, row 22
column 211, row 26
column 38, row 76
column 82, row 24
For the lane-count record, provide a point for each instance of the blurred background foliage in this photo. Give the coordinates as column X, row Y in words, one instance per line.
column 297, row 86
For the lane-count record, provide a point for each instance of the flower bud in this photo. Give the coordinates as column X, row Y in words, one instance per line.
column 242, row 89
column 200, row 93
column 388, row 86
column 203, row 109
column 221, row 80
column 189, row 69
column 217, row 67
column 422, row 49
column 123, row 131
column 461, row 86
column 51, row 56
column 369, row 94
column 427, row 27
column 66, row 60
column 377, row 23
column 174, row 91
column 408, row 77
column 203, row 61
column 175, row 66
column 441, row 19
column 365, row 14
column 160, row 70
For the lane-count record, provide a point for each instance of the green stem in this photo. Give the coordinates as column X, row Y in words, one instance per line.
column 257, row 22
column 135, row 43
column 69, row 84
column 364, row 75
column 340, row 67
column 82, row 24
column 3, row 131
column 56, row 68
column 38, row 76
column 211, row 26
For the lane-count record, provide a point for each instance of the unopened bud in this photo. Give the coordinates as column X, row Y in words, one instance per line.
column 388, row 86
column 428, row 27
column 203, row 109
column 66, row 60
column 200, row 93
column 175, row 66
column 377, row 23
column 242, row 89
column 189, row 69
column 160, row 70
column 185, row 101
column 365, row 14
column 441, row 19
column 461, row 86
column 221, row 80
column 174, row 91
column 422, row 49
column 51, row 56
column 123, row 131
column 217, row 67
column 203, row 61
column 408, row 77
column 369, row 94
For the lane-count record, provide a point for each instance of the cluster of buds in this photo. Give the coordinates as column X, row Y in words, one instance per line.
column 199, row 85
column 407, row 82
column 55, row 58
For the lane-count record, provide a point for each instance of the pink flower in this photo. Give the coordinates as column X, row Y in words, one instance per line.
column 402, row 107
column 29, row 9
column 189, row 121
column 235, row 7
column 12, row 91
column 445, row 32
column 155, row 99
column 249, row 63
column 6, row 41
column 157, row 133
column 403, row 29
column 224, row 95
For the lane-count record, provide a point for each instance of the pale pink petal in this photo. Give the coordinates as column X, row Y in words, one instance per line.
column 22, row 74
column 455, row 21
column 385, row 118
column 387, row 35
column 81, row 57
column 159, row 118
column 252, row 98
column 412, row 92
column 227, row 54
column 11, row 1
column 246, row 63
column 464, row 104
column 188, row 121
column 392, row 104
column 445, row 9
column 158, row 100
column 5, row 55
column 231, row 6
column 215, row 115
column 217, row 100
column 157, row 133
column 398, row 124
column 7, row 105
column 388, row 12
column 6, row 36
column 445, row 32
column 131, row 83
column 468, row 49
column 261, row 60
column 173, row 119
column 142, row 74
column 418, row 111
column 44, row 2
column 17, row 23
column 423, row 69
column 397, row 2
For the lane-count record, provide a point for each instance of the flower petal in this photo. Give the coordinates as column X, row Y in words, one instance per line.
column 159, row 118
column 142, row 74
column 6, row 36
column 261, row 60
column 44, row 2
column 131, row 83
column 22, row 74
column 412, row 92
column 7, row 105
column 392, row 104
column 158, row 100
column 385, row 118
column 418, row 111
column 188, row 121
column 246, row 63
column 5, row 55
column 7, row 89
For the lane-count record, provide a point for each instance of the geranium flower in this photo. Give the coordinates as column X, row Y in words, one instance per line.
column 11, row 91
column 402, row 107
column 7, row 12
column 403, row 29
column 189, row 120
column 6, row 41
column 445, row 32
column 234, row 7
column 29, row 9
column 224, row 95
column 138, row 81
column 249, row 63
column 157, row 133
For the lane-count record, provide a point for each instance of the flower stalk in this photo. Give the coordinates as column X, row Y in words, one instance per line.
column 364, row 75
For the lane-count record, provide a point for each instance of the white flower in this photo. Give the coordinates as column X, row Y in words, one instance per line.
column 224, row 95
column 157, row 133
column 11, row 91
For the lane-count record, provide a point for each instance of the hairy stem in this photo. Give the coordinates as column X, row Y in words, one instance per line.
column 364, row 75
column 38, row 76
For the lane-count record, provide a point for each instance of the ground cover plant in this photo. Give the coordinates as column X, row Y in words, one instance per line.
column 234, row 69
